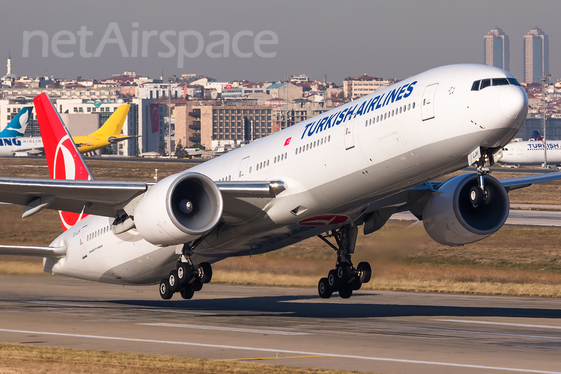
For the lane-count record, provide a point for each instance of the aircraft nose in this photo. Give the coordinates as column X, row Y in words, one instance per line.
column 512, row 100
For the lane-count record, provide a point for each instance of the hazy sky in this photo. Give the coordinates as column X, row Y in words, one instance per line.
column 390, row 39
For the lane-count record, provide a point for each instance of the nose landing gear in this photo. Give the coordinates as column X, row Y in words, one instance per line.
column 481, row 193
column 345, row 278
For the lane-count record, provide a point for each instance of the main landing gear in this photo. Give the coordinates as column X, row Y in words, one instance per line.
column 345, row 278
column 187, row 279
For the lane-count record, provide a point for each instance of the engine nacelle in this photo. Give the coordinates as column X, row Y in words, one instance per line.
column 178, row 209
column 450, row 218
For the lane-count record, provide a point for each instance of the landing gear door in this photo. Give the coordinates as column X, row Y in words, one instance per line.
column 242, row 173
column 349, row 136
column 427, row 105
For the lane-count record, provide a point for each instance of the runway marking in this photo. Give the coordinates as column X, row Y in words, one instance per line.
column 384, row 359
column 234, row 329
column 464, row 331
column 272, row 358
column 119, row 307
column 500, row 323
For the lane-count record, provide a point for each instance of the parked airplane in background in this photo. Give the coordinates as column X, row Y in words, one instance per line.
column 531, row 152
column 354, row 165
column 18, row 124
column 109, row 133
column 12, row 140
column 106, row 135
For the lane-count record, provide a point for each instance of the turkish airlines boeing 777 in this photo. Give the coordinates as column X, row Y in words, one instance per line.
column 353, row 165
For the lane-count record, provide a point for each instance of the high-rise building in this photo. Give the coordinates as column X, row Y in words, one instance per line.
column 536, row 55
column 496, row 49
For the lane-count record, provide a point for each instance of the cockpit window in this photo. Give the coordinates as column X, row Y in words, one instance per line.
column 500, row 82
column 481, row 84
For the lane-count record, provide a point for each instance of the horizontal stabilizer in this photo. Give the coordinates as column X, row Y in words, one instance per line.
column 32, row 250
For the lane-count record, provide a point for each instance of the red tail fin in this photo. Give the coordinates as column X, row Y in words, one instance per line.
column 63, row 158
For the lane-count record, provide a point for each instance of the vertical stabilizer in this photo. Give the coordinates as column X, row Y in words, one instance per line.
column 114, row 124
column 63, row 158
column 18, row 124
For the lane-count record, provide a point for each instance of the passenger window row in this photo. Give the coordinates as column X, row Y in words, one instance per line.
column 483, row 83
column 97, row 233
column 313, row 144
column 381, row 117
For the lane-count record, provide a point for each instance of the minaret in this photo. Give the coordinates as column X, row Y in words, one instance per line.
column 9, row 65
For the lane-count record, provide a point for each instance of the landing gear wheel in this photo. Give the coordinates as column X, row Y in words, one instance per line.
column 344, row 272
column 165, row 290
column 197, row 285
column 173, row 281
column 332, row 280
column 324, row 290
column 345, row 292
column 187, row 292
column 475, row 196
column 364, row 272
column 184, row 272
column 489, row 195
column 355, row 284
column 205, row 272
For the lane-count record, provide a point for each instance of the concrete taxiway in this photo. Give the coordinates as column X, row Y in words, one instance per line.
column 522, row 217
column 384, row 332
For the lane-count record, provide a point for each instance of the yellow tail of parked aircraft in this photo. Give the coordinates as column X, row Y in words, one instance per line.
column 109, row 133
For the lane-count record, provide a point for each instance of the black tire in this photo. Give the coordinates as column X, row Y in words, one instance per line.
column 324, row 290
column 197, row 285
column 364, row 272
column 184, row 272
column 187, row 292
column 475, row 196
column 332, row 280
column 355, row 284
column 173, row 281
column 205, row 272
column 345, row 292
column 165, row 291
column 344, row 273
column 489, row 195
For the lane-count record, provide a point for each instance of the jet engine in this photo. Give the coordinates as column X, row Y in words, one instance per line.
column 178, row 209
column 451, row 218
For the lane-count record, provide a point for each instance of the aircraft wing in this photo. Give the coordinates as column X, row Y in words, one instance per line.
column 32, row 250
column 242, row 200
column 521, row 182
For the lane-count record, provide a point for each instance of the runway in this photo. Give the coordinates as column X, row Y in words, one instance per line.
column 382, row 332
column 542, row 218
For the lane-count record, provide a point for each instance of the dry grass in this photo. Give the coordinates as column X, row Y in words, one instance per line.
column 17, row 358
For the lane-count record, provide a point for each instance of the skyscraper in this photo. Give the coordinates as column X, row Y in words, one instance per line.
column 536, row 55
column 496, row 49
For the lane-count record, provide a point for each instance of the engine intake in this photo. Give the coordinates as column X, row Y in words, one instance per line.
column 178, row 209
column 450, row 218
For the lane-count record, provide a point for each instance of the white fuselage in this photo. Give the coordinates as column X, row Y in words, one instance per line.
column 334, row 163
column 532, row 153
column 10, row 146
